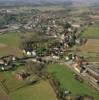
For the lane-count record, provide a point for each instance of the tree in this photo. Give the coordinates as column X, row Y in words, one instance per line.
column 67, row 25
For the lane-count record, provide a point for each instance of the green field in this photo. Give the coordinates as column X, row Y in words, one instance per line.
column 92, row 32
column 66, row 78
column 19, row 90
column 10, row 43
column 50, row 8
column 10, row 39
column 40, row 91
column 10, row 81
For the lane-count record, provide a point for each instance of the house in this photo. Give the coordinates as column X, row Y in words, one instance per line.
column 55, row 57
column 77, row 67
column 28, row 53
column 34, row 60
column 1, row 62
column 80, row 64
column 69, row 30
column 62, row 37
column 78, row 41
column 67, row 58
column 76, row 25
column 34, row 53
column 13, row 58
column 22, row 75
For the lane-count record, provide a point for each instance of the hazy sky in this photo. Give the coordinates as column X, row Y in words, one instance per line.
column 53, row 0
column 35, row 0
column 47, row 0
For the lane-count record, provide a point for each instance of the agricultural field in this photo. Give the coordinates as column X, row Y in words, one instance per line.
column 90, row 56
column 40, row 91
column 50, row 7
column 19, row 90
column 10, row 81
column 5, row 51
column 44, row 33
column 9, row 44
column 91, row 32
column 10, row 39
column 90, row 50
column 92, row 45
column 66, row 77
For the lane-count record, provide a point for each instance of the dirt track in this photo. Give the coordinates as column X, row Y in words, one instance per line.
column 4, row 96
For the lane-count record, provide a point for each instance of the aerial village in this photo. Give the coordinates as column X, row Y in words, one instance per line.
column 58, row 40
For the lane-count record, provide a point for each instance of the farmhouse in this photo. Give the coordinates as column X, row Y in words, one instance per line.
column 21, row 75
column 77, row 67
column 80, row 64
column 76, row 25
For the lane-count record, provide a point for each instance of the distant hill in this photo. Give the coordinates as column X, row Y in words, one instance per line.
column 48, row 2
column 33, row 2
column 85, row 2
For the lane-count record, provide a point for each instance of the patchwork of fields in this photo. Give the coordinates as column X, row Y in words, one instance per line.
column 40, row 91
column 91, row 48
column 9, row 44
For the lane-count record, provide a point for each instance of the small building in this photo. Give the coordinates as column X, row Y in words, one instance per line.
column 34, row 53
column 21, row 75
column 77, row 67
column 76, row 25
column 13, row 58
column 34, row 60
column 67, row 58
column 28, row 53
column 1, row 62
column 55, row 57
column 78, row 41
column 80, row 64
